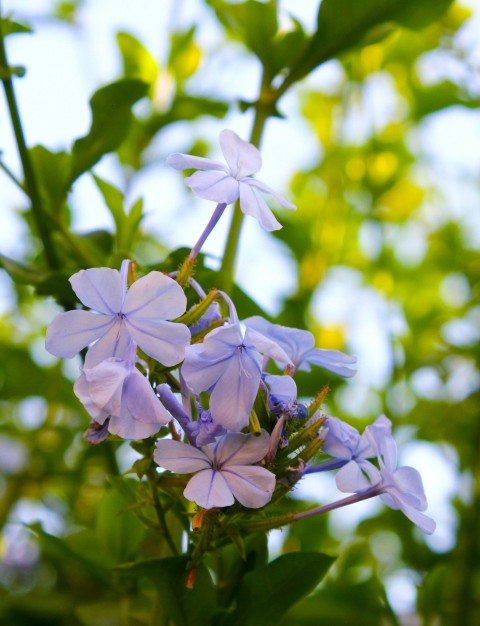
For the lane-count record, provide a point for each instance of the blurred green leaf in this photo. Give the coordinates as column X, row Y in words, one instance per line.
column 11, row 27
column 126, row 223
column 52, row 170
column 111, row 117
column 138, row 62
column 178, row 604
column 119, row 531
column 184, row 56
column 266, row 593
column 342, row 24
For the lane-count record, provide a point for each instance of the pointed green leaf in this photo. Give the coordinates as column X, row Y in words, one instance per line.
column 180, row 605
column 268, row 592
column 111, row 117
column 342, row 24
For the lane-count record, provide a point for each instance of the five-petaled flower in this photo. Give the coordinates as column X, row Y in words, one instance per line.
column 226, row 183
column 228, row 364
column 138, row 314
column 398, row 488
column 224, row 470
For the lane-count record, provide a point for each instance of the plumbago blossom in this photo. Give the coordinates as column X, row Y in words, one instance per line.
column 224, row 470
column 225, row 184
column 119, row 315
column 245, row 436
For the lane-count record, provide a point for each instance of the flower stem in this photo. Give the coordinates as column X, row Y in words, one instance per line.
column 30, row 179
column 157, row 505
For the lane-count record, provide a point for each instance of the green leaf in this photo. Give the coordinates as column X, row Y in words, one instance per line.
column 343, row 24
column 119, row 531
column 22, row 274
column 138, row 62
column 184, row 56
column 268, row 592
column 126, row 223
column 179, row 605
column 111, row 117
column 52, row 170
column 10, row 27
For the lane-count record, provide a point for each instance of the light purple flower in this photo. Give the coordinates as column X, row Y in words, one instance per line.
column 215, row 181
column 224, row 470
column 229, row 366
column 122, row 316
column 300, row 347
column 349, row 449
column 400, row 488
column 115, row 391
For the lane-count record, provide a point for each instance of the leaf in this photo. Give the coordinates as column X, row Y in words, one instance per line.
column 10, row 27
column 138, row 62
column 181, row 606
column 22, row 274
column 184, row 56
column 342, row 24
column 111, row 117
column 268, row 592
column 52, row 170
column 126, row 224
column 119, row 531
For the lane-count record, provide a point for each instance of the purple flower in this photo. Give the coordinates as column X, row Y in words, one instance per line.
column 400, row 488
column 122, row 316
column 116, row 392
column 300, row 347
column 224, row 470
column 229, row 366
column 215, row 181
column 349, row 449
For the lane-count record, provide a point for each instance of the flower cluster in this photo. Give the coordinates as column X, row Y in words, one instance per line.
column 227, row 383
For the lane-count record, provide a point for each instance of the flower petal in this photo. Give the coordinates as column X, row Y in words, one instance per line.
column 266, row 189
column 239, row 449
column 99, row 288
column 267, row 347
column 208, row 489
column 155, row 296
column 105, row 384
column 341, row 440
column 200, row 372
column 180, row 457
column 252, row 486
column 352, row 478
column 243, row 158
column 180, row 161
column 217, row 186
column 163, row 341
column 234, row 394
column 255, row 206
column 72, row 331
column 81, row 390
column 331, row 360
column 116, row 342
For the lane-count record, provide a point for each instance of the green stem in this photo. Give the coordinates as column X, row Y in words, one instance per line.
column 28, row 171
column 263, row 110
column 12, row 177
column 157, row 505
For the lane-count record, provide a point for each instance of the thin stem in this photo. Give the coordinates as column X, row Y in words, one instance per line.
column 28, row 171
column 157, row 505
column 220, row 208
column 12, row 177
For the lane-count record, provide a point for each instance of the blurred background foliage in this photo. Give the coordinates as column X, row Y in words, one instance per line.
column 379, row 228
